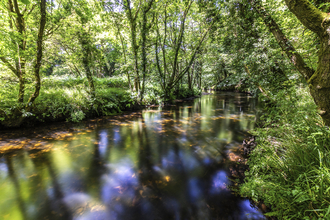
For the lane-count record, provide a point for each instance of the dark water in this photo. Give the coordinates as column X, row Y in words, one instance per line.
column 169, row 163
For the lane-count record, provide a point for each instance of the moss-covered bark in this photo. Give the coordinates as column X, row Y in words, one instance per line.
column 20, row 25
column 37, row 64
column 282, row 40
column 86, row 58
column 145, row 30
column 319, row 83
column 318, row 22
column 132, row 23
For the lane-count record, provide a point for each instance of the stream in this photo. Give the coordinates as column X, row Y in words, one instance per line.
column 171, row 162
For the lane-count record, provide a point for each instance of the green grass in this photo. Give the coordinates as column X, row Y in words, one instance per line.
column 290, row 167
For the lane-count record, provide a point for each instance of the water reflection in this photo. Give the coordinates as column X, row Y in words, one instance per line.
column 161, row 163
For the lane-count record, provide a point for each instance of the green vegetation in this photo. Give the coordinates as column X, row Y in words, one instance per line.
column 70, row 60
column 289, row 168
column 65, row 98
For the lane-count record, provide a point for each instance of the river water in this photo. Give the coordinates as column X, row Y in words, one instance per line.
column 173, row 162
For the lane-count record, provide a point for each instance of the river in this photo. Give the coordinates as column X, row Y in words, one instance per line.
column 172, row 162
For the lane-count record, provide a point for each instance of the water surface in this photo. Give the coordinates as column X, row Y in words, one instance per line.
column 173, row 162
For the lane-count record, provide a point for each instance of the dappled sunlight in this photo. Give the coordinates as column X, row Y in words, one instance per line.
column 157, row 162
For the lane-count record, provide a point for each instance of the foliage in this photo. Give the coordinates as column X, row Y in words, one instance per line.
column 65, row 97
column 94, row 58
column 290, row 168
column 184, row 91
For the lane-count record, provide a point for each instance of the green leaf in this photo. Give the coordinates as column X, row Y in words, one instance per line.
column 269, row 214
column 26, row 2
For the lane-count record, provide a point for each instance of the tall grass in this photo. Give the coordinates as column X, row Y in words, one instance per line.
column 290, row 168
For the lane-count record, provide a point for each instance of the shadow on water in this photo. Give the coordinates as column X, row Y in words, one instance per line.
column 174, row 162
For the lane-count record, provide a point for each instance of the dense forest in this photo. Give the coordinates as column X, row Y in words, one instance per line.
column 74, row 59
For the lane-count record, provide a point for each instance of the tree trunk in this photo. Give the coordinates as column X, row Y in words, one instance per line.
column 318, row 22
column 39, row 53
column 132, row 23
column 282, row 40
column 144, row 33
column 20, row 24
column 86, row 50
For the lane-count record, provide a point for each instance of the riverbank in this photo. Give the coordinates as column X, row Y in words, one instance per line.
column 67, row 99
column 289, row 168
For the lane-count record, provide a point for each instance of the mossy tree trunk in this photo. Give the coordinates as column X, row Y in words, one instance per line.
column 86, row 58
column 17, row 22
column 37, row 64
column 21, row 43
column 132, row 18
column 318, row 22
column 145, row 30
column 86, row 47
column 124, row 53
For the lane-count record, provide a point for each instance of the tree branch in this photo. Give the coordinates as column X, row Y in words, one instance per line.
column 308, row 15
column 295, row 58
column 3, row 59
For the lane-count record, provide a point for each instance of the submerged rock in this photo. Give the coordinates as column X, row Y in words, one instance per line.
column 249, row 144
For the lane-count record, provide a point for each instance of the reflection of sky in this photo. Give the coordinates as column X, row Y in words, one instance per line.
column 180, row 160
column 186, row 168
column 3, row 168
column 219, row 182
column 195, row 192
column 119, row 182
column 183, row 137
column 248, row 212
column 168, row 160
column 103, row 143
column 189, row 163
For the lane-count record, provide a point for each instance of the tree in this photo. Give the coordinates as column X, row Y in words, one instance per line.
column 319, row 23
column 180, row 38
column 319, row 81
column 18, row 52
column 85, row 14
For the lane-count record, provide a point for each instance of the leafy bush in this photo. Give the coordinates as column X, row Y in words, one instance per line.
column 185, row 92
column 66, row 98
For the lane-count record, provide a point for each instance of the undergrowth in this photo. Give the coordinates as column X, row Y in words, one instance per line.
column 290, row 167
column 67, row 98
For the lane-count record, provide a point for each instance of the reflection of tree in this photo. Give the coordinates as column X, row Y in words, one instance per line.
column 46, row 207
column 165, row 172
column 13, row 177
column 145, row 157
column 175, row 185
column 54, row 208
column 97, row 165
column 39, row 191
column 147, row 176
